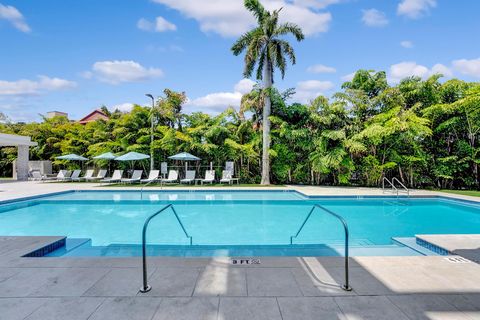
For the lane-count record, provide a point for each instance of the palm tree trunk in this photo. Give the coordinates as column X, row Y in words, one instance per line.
column 266, row 125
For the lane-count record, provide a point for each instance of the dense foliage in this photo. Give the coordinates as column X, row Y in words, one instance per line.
column 424, row 132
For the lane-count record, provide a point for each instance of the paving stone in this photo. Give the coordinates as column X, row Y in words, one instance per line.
column 464, row 302
column 187, row 309
column 247, row 308
column 272, row 282
column 319, row 282
column 172, row 282
column 118, row 282
column 420, row 307
column 221, row 281
column 369, row 308
column 123, row 308
column 19, row 308
column 66, row 308
column 309, row 308
column 69, row 282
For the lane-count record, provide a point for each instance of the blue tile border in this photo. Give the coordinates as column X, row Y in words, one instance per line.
column 432, row 247
column 45, row 250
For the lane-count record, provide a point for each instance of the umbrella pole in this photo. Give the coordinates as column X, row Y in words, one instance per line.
column 186, row 167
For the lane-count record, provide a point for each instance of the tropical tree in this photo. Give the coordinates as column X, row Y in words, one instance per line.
column 266, row 50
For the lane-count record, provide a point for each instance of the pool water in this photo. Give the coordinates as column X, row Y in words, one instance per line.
column 244, row 218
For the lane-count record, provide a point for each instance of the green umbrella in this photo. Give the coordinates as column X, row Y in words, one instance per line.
column 185, row 156
column 105, row 156
column 132, row 156
column 72, row 156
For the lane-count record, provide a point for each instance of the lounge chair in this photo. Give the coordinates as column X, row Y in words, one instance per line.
column 226, row 177
column 189, row 177
column 75, row 175
column 136, row 177
column 116, row 177
column 88, row 175
column 37, row 176
column 63, row 175
column 101, row 175
column 209, row 177
column 152, row 176
column 172, row 177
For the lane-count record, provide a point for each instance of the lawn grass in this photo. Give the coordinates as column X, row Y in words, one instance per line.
column 472, row 193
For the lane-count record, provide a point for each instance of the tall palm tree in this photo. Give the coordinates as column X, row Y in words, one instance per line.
column 266, row 50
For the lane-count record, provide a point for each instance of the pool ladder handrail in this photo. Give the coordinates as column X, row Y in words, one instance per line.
column 346, row 285
column 394, row 189
column 146, row 288
column 405, row 189
column 149, row 182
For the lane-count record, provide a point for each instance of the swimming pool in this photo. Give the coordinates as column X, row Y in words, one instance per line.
column 221, row 222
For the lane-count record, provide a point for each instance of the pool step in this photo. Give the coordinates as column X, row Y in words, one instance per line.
column 87, row 249
column 70, row 245
column 412, row 243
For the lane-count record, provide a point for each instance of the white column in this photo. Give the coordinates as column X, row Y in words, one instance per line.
column 22, row 164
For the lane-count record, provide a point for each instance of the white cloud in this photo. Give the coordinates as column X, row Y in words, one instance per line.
column 348, row 77
column 218, row 101
column 229, row 17
column 407, row 44
column 374, row 18
column 160, row 25
column 320, row 68
column 15, row 17
column 244, row 86
column 115, row 72
column 308, row 90
column 124, row 107
column 406, row 69
column 31, row 87
column 415, row 9
column 468, row 67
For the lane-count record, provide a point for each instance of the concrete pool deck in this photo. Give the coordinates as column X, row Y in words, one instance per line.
column 424, row 287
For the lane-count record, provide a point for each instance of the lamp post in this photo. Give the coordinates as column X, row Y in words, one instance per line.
column 151, row 130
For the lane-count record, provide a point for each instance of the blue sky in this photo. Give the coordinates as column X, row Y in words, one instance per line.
column 75, row 56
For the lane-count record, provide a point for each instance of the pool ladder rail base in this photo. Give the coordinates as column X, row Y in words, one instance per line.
column 394, row 188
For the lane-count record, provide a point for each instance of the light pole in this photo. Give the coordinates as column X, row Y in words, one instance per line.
column 151, row 130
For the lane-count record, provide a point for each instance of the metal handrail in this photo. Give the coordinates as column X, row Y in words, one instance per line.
column 394, row 189
column 401, row 184
column 151, row 181
column 346, row 286
column 146, row 287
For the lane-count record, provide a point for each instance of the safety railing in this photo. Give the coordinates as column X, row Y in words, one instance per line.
column 404, row 189
column 149, row 182
column 346, row 285
column 146, row 287
column 393, row 189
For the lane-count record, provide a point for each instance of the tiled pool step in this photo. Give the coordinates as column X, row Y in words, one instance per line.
column 412, row 243
column 87, row 250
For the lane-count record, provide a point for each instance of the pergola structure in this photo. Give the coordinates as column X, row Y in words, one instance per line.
column 22, row 143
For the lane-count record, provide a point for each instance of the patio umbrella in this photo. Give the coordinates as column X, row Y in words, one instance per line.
column 72, row 157
column 106, row 156
column 184, row 156
column 132, row 156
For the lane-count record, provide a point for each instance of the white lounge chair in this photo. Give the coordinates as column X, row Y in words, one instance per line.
column 152, row 176
column 100, row 175
column 116, row 177
column 189, row 177
column 37, row 176
column 75, row 175
column 88, row 175
column 226, row 177
column 136, row 176
column 63, row 175
column 209, row 177
column 172, row 177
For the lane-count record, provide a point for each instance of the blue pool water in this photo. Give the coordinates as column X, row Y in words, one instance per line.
column 244, row 218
